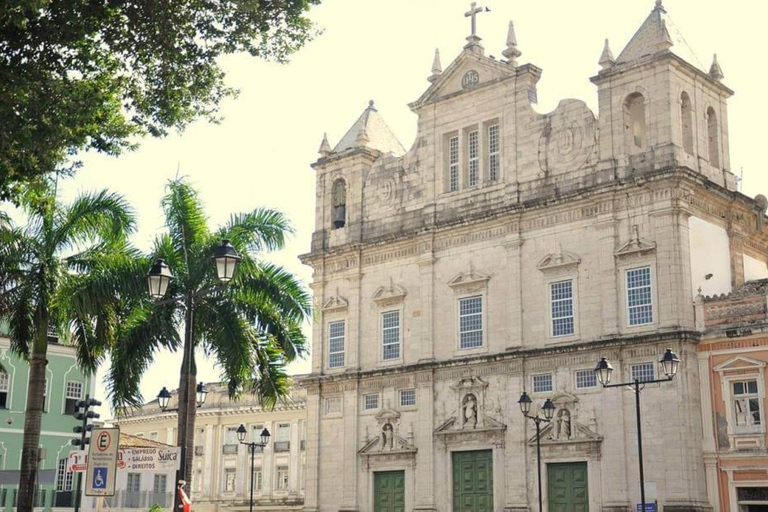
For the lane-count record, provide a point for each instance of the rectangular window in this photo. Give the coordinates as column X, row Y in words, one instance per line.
column 642, row 372
column 471, row 322
column 390, row 335
column 153, row 436
column 5, row 384
column 283, row 432
column 230, row 435
column 63, row 477
column 639, row 301
column 473, row 158
column 746, row 404
column 561, row 307
column 336, row 344
column 407, row 397
column 586, row 379
column 493, row 152
column 283, row 474
column 160, row 485
column 542, row 383
column 230, row 477
column 333, row 405
column 258, row 479
column 256, row 434
column 371, row 402
column 453, row 164
column 74, row 393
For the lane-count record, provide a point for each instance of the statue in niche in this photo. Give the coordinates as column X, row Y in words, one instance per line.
column 562, row 425
column 469, row 410
column 387, row 437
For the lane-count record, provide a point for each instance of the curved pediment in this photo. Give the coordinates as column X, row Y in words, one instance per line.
column 469, row 278
column 559, row 260
column 389, row 294
column 335, row 303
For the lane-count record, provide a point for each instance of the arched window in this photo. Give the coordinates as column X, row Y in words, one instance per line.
column 339, row 202
column 713, row 137
column 686, row 114
column 634, row 114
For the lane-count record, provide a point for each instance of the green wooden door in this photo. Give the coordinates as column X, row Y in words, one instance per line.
column 568, row 487
column 473, row 481
column 389, row 491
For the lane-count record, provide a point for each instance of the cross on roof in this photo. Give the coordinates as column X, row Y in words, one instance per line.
column 473, row 11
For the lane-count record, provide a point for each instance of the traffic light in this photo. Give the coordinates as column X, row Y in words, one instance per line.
column 84, row 414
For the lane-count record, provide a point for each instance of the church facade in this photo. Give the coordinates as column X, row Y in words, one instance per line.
column 507, row 252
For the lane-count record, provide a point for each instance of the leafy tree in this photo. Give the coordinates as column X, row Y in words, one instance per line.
column 38, row 261
column 87, row 74
column 251, row 327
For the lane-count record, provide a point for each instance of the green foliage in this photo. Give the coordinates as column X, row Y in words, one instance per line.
column 84, row 74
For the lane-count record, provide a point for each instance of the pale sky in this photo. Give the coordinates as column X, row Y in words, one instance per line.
column 382, row 50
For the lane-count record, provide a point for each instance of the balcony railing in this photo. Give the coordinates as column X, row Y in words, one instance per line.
column 229, row 449
column 139, row 499
column 282, row 446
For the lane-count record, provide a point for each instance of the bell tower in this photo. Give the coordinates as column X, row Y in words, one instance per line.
column 341, row 175
column 660, row 108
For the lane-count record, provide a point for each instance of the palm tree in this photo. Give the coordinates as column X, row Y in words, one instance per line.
column 38, row 260
column 251, row 327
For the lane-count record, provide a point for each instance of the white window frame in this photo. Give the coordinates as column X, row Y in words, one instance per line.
column 481, row 314
column 652, row 288
column 370, row 405
column 541, row 391
column 473, row 157
column 258, row 479
column 286, row 478
column 645, row 364
column 69, row 395
column 733, row 398
column 384, row 330
column 333, row 365
column 552, row 301
column 494, row 151
column 64, row 478
column 229, row 440
column 227, row 473
column 5, row 387
column 738, row 369
column 584, row 371
column 453, row 156
column 401, row 393
column 283, row 432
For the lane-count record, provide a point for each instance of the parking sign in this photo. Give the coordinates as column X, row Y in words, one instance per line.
column 102, row 462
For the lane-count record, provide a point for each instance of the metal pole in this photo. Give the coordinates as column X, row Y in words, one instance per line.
column 79, row 487
column 640, row 445
column 253, row 456
column 538, row 458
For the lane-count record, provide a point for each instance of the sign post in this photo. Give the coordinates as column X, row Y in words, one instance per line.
column 102, row 462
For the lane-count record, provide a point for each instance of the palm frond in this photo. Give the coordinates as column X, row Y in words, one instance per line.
column 184, row 216
column 260, row 230
column 91, row 217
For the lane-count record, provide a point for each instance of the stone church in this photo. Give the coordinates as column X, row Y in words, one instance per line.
column 508, row 251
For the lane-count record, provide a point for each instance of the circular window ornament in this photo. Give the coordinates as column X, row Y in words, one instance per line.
column 470, row 80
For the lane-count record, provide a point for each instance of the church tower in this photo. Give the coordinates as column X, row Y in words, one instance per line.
column 660, row 108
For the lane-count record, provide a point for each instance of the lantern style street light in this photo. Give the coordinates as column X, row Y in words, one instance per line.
column 164, row 398
column 549, row 411
column 202, row 394
column 669, row 364
column 159, row 277
column 252, row 445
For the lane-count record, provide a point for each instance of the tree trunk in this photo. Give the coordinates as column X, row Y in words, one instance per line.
column 32, row 421
column 187, row 404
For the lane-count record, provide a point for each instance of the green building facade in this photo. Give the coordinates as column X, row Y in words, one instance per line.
column 65, row 384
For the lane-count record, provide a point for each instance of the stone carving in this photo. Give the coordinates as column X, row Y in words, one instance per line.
column 562, row 425
column 387, row 437
column 469, row 410
column 568, row 139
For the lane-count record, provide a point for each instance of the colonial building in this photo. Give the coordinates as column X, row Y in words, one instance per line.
column 507, row 251
column 65, row 385
column 733, row 355
column 222, row 466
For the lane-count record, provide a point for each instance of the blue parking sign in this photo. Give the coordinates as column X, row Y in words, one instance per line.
column 99, row 478
column 649, row 507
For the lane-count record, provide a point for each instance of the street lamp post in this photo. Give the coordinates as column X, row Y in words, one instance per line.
column 669, row 365
column 159, row 278
column 549, row 411
column 252, row 445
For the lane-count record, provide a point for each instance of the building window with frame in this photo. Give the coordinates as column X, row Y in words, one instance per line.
column 390, row 335
column 336, row 344
column 494, row 154
column 230, row 435
column 561, row 308
column 542, row 383
column 746, row 405
column 639, row 296
column 473, row 157
column 283, row 432
column 586, row 379
column 5, row 386
column 230, row 477
column 333, row 405
column 63, row 477
column 407, row 397
column 642, row 372
column 471, row 322
column 74, row 393
column 258, row 479
column 453, row 164
column 160, row 485
column 283, row 476
column 371, row 402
